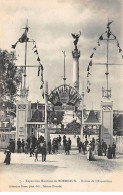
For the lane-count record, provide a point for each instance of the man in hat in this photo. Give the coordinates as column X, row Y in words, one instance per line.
column 19, row 146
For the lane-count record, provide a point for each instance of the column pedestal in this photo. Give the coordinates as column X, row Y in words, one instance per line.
column 23, row 114
column 107, row 122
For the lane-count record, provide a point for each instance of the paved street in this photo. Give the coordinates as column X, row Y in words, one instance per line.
column 61, row 172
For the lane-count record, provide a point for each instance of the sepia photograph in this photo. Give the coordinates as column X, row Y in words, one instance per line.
column 61, row 96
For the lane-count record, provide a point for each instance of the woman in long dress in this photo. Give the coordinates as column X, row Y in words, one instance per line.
column 90, row 152
column 8, row 157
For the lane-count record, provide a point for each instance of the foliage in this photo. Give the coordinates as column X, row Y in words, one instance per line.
column 10, row 75
column 118, row 124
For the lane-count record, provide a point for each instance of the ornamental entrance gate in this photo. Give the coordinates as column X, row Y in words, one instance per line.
column 62, row 98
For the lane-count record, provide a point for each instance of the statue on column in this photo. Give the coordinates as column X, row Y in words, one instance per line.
column 76, row 37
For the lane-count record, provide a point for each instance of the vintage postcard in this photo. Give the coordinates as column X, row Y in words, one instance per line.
column 61, row 96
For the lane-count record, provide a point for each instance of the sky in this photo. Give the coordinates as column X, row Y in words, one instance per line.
column 51, row 24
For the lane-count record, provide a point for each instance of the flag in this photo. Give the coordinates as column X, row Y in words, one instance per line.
column 113, row 35
column 90, row 63
column 41, row 67
column 118, row 44
column 108, row 34
column 109, row 24
column 36, row 51
column 23, row 38
column 34, row 47
column 43, row 94
column 38, row 59
column 88, row 74
column 88, row 68
column 38, row 70
column 101, row 37
column 13, row 46
column 41, row 87
column 92, row 55
column 88, row 82
column 42, row 80
column 88, row 90
column 98, row 43
column 120, row 50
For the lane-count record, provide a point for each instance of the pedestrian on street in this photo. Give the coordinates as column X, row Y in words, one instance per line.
column 109, row 155
column 59, row 139
column 64, row 137
column 49, row 146
column 8, row 157
column 36, row 153
column 78, row 139
column 105, row 148
column 44, row 152
column 26, row 148
column 64, row 143
column 80, row 146
column 99, row 149
column 23, row 144
column 19, row 146
column 67, row 148
column 114, row 150
column 31, row 150
column 86, row 143
column 53, row 146
column 83, row 148
column 69, row 141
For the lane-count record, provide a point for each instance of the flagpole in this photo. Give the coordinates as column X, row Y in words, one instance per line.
column 64, row 67
column 107, row 73
column 25, row 55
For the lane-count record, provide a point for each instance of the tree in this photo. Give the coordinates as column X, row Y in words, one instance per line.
column 10, row 75
column 118, row 124
column 55, row 117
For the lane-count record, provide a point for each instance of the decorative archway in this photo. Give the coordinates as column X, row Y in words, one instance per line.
column 65, row 95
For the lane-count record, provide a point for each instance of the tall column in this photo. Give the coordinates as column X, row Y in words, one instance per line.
column 107, row 121
column 76, row 55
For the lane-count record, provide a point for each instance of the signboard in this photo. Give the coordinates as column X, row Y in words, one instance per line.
column 64, row 108
column 21, row 132
column 5, row 123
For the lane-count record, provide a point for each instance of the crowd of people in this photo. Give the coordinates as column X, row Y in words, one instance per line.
column 93, row 146
column 34, row 147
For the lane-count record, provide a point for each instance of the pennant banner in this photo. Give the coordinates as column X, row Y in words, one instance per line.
column 22, row 39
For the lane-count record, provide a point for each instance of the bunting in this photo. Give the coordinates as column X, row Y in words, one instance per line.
column 88, row 89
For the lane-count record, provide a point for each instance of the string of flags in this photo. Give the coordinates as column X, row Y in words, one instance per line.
column 109, row 34
column 40, row 67
column 23, row 39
